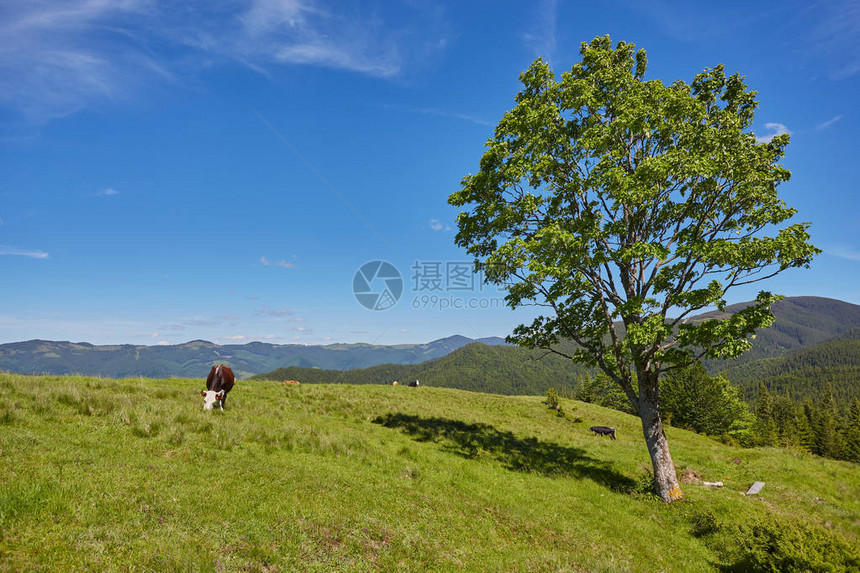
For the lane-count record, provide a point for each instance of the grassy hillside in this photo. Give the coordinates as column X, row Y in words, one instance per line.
column 507, row 370
column 101, row 474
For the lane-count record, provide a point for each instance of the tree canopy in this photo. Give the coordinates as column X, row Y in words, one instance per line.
column 622, row 206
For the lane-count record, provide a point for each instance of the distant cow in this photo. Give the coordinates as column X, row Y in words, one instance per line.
column 394, row 383
column 218, row 384
column 414, row 384
column 603, row 431
column 293, row 382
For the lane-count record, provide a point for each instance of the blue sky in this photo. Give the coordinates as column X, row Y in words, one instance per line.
column 221, row 170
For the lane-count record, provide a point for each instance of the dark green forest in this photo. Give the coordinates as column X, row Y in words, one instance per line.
column 508, row 370
column 831, row 368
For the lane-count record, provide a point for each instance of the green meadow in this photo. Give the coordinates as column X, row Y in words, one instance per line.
column 132, row 475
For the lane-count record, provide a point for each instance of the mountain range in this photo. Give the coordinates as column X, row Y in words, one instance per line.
column 801, row 322
column 813, row 340
column 194, row 359
column 812, row 351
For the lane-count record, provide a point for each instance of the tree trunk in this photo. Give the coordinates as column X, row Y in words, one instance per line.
column 665, row 479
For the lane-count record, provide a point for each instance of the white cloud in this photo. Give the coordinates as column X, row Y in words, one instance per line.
column 452, row 114
column 282, row 263
column 275, row 312
column 236, row 337
column 835, row 38
column 267, row 15
column 437, row 225
column 162, row 343
column 541, row 37
column 829, row 122
column 10, row 250
column 847, row 253
column 107, row 192
column 306, row 33
column 334, row 56
column 199, row 322
column 773, row 130
column 59, row 57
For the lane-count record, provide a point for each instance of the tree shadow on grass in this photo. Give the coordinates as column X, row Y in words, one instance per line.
column 519, row 454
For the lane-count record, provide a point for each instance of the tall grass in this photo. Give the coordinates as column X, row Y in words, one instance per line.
column 132, row 474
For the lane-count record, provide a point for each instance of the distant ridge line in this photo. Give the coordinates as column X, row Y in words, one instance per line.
column 801, row 322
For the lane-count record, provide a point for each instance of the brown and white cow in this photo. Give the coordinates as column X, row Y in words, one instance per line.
column 218, row 384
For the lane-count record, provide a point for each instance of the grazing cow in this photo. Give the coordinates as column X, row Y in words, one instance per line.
column 218, row 384
column 414, row 384
column 603, row 431
column 293, row 382
column 394, row 383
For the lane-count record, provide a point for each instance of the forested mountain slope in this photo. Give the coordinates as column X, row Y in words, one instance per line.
column 476, row 367
column 828, row 368
column 801, row 322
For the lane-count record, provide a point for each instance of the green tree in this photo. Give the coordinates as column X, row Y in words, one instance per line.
column 852, row 433
column 765, row 430
column 828, row 442
column 791, row 425
column 808, row 439
column 615, row 202
column 603, row 391
column 706, row 404
column 585, row 389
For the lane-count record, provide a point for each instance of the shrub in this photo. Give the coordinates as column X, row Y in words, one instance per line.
column 552, row 399
column 704, row 523
column 553, row 402
column 782, row 546
column 775, row 544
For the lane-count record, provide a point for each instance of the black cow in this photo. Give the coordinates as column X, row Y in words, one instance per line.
column 603, row 431
column 414, row 384
column 218, row 384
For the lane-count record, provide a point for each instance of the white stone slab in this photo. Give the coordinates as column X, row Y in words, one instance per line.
column 756, row 487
